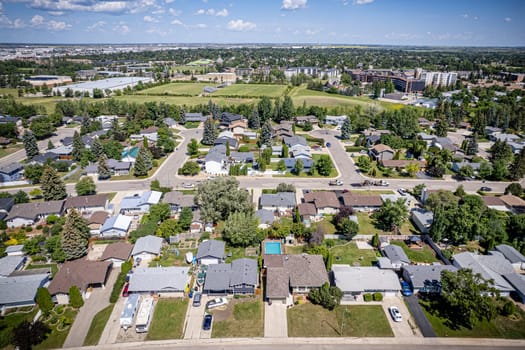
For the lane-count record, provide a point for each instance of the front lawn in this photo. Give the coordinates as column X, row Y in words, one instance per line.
column 247, row 320
column 11, row 321
column 308, row 320
column 60, row 322
column 5, row 151
column 168, row 319
column 421, row 255
column 500, row 327
column 97, row 326
column 349, row 254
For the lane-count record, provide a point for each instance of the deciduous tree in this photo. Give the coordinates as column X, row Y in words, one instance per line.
column 392, row 214
column 240, row 229
column 86, row 186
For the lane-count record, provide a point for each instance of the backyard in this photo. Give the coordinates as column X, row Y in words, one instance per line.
column 168, row 319
column 308, row 320
column 368, row 227
column 423, row 254
column 349, row 254
column 169, row 256
column 246, row 320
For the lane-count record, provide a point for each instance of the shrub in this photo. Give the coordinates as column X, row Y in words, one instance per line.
column 378, row 296
column 119, row 283
column 75, row 298
column 28, row 229
column 367, row 297
column 38, row 227
column 509, row 308
column 44, row 301
column 45, row 230
column 205, row 235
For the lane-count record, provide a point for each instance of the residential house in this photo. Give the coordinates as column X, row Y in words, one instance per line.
column 211, row 252
column 194, row 117
column 510, row 253
column 326, row 202
column 178, row 200
column 106, row 120
column 290, row 163
column 335, row 119
column 444, row 143
column 118, row 253
column 116, row 167
column 140, row 203
column 242, row 157
column 457, row 166
column 491, row 130
column 10, row 264
column 197, row 225
column 283, row 129
column 151, row 134
column 502, row 137
column 426, row 137
column 63, row 152
column 170, row 122
column 425, row 123
column 226, row 118
column 362, row 202
column 294, row 141
column 381, row 152
column 425, row 278
column 116, row 226
column 11, row 172
column 266, row 218
column 514, row 203
column 95, row 222
column 6, row 204
column 301, row 120
column 87, row 205
column 20, row 291
column 301, row 152
column 27, row 214
column 43, row 158
column 297, row 274
column 307, row 212
column 422, row 219
column 491, row 267
column 164, row 281
column 147, row 247
column 401, row 164
column 215, row 162
column 397, row 256
column 372, row 140
column 355, row 281
column 516, row 146
column 282, row 202
column 15, row 250
column 494, row 202
column 239, row 277
column 81, row 273
column 227, row 137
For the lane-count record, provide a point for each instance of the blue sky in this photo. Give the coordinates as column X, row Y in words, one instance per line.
column 391, row 22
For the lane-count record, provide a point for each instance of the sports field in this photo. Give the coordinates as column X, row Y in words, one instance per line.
column 251, row 90
column 186, row 100
column 176, row 89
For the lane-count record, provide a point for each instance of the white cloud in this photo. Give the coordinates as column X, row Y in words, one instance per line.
column 174, row 12
column 168, row 1
column 150, row 19
column 507, row 19
column 156, row 31
column 293, row 4
column 158, row 12
column 177, row 22
column 122, row 28
column 363, row 2
column 212, row 12
column 37, row 20
column 18, row 23
column 107, row 6
column 241, row 25
column 311, row 32
column 199, row 25
column 58, row 25
column 97, row 25
column 40, row 22
column 222, row 13
column 56, row 13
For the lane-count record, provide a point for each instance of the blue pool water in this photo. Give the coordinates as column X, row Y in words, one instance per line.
column 272, row 247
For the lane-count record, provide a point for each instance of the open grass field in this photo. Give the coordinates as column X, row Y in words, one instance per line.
column 247, row 320
column 97, row 326
column 252, row 90
column 187, row 100
column 501, row 327
column 168, row 319
column 349, row 254
column 308, row 320
column 180, row 89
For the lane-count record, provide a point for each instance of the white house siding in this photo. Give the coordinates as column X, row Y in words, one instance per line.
column 18, row 222
column 328, row 211
column 116, row 262
column 145, row 256
column 209, row 261
column 113, row 233
column 62, row 299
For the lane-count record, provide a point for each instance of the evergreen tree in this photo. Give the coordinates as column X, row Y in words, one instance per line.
column 441, row 127
column 182, row 116
column 346, row 129
column 277, row 110
column 97, row 148
column 53, row 188
column 116, row 131
column 228, row 151
column 78, row 147
column 254, row 121
column 285, row 151
column 75, row 298
column 210, row 132
column 472, row 145
column 50, row 145
column 30, row 145
column 75, row 236
column 266, row 133
column 517, row 168
column 287, row 109
column 103, row 169
column 299, row 166
column 44, row 301
column 143, row 163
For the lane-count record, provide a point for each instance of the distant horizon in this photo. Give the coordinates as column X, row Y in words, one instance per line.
column 454, row 23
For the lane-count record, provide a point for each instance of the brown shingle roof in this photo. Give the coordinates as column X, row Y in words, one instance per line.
column 512, row 201
column 322, row 199
column 492, row 201
column 352, row 200
column 119, row 250
column 98, row 217
column 381, row 148
column 306, row 270
column 81, row 273
column 306, row 209
column 97, row 200
column 277, row 282
column 179, row 198
column 33, row 210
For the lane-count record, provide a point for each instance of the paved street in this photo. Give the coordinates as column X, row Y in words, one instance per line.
column 275, row 320
column 97, row 301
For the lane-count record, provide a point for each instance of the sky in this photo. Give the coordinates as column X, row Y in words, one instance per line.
column 377, row 22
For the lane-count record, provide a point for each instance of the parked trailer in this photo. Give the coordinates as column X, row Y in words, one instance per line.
column 144, row 315
column 130, row 308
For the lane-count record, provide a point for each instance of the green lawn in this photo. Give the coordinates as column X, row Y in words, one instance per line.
column 297, row 249
column 168, row 319
column 186, row 100
column 251, row 90
column 176, row 89
column 12, row 320
column 326, row 223
column 59, row 332
column 169, row 258
column 500, row 327
column 53, row 267
column 310, row 320
column 237, row 253
column 349, row 254
column 97, row 326
column 367, row 227
column 247, row 320
column 424, row 255
column 10, row 149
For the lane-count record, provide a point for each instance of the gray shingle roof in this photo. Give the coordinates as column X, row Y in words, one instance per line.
column 517, row 281
column 280, row 199
column 11, row 168
column 421, row 273
column 468, row 260
column 244, row 271
column 510, row 253
column 218, row 277
column 179, row 199
column 32, row 210
column 159, row 279
column 8, row 264
column 295, row 140
column 211, row 249
column 277, row 282
column 148, row 244
column 306, row 270
column 265, row 216
column 396, row 254
column 97, row 200
column 20, row 289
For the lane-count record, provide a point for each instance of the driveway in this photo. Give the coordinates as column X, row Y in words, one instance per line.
column 419, row 316
column 275, row 320
column 194, row 318
column 112, row 328
column 98, row 300
column 403, row 328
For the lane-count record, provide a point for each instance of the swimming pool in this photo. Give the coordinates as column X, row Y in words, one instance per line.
column 272, row 247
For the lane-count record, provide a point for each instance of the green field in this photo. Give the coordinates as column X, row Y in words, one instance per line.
column 10, row 149
column 252, row 90
column 175, row 89
column 186, row 100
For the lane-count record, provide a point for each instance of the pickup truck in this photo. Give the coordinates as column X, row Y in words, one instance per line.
column 336, row 183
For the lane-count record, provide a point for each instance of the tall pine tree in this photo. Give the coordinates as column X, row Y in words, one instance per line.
column 97, row 148
column 254, row 121
column 53, row 188
column 103, row 169
column 30, row 145
column 143, row 163
column 287, row 109
column 517, row 168
column 210, row 132
column 78, row 146
column 75, row 236
column 346, row 129
column 266, row 133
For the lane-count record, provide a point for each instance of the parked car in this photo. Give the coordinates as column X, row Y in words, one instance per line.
column 405, row 289
column 395, row 313
column 137, row 262
column 217, row 302
column 206, row 324
column 335, row 183
column 402, row 191
column 485, row 189
column 197, row 299
column 188, row 185
column 125, row 292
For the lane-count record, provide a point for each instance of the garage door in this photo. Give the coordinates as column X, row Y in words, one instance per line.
column 209, row 261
